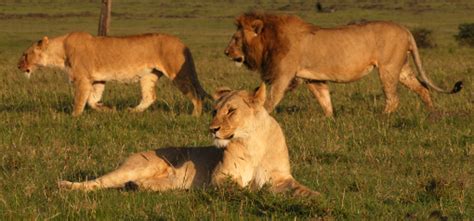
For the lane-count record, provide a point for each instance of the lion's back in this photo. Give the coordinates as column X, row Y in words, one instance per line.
column 123, row 46
column 125, row 58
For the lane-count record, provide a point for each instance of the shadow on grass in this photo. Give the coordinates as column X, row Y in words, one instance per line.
column 263, row 203
column 332, row 158
column 289, row 109
column 65, row 105
column 123, row 105
column 438, row 115
column 81, row 176
column 18, row 108
column 62, row 106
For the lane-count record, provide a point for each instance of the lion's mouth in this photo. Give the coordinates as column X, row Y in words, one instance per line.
column 238, row 60
column 222, row 142
column 223, row 138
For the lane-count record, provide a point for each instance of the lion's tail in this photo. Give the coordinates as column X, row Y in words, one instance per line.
column 416, row 57
column 293, row 187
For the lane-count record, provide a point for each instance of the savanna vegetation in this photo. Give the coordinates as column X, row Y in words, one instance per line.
column 410, row 165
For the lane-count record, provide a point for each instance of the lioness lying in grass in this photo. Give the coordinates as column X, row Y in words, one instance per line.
column 251, row 151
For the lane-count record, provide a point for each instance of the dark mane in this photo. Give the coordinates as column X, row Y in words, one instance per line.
column 276, row 38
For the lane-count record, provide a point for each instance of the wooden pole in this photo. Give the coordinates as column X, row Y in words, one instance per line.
column 104, row 19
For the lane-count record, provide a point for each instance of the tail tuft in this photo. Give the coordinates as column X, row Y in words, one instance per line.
column 457, row 87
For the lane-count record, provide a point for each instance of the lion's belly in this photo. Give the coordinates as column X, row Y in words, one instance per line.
column 335, row 76
column 124, row 76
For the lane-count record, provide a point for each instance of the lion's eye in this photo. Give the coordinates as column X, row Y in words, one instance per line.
column 214, row 112
column 231, row 111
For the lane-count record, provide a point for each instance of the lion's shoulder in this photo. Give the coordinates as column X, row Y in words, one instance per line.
column 78, row 36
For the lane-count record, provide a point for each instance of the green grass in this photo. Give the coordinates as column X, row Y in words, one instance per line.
column 409, row 165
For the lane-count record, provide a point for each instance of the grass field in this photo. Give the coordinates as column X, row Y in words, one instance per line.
column 409, row 165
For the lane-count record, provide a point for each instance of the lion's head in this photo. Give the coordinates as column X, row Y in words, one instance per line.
column 247, row 44
column 34, row 57
column 235, row 114
column 261, row 40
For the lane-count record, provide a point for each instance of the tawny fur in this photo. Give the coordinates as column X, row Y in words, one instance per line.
column 284, row 48
column 255, row 154
column 92, row 61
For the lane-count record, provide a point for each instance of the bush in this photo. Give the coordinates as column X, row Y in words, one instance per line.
column 465, row 36
column 423, row 38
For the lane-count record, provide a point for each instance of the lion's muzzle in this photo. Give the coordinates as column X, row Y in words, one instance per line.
column 234, row 55
column 216, row 135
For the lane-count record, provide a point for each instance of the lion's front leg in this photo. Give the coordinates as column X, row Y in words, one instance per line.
column 96, row 96
column 277, row 90
column 235, row 166
column 83, row 88
column 221, row 176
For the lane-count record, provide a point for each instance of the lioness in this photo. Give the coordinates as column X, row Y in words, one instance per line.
column 91, row 61
column 251, row 151
column 286, row 50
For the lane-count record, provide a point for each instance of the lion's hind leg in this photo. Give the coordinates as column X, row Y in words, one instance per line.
column 320, row 91
column 138, row 169
column 148, row 84
column 389, row 76
column 186, row 81
column 291, row 186
column 408, row 79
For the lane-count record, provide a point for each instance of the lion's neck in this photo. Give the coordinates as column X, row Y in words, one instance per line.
column 266, row 136
column 56, row 55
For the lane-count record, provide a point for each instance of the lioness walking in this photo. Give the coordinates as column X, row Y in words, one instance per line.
column 92, row 61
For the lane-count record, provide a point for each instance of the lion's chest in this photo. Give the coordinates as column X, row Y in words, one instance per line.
column 261, row 177
column 255, row 177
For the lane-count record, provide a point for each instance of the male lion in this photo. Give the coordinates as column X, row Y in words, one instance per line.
column 251, row 151
column 286, row 50
column 91, row 61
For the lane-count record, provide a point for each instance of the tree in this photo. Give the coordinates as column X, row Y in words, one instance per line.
column 104, row 19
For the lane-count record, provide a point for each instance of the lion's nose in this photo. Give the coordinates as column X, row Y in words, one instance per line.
column 214, row 129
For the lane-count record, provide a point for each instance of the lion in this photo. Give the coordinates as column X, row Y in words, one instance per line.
column 92, row 61
column 286, row 50
column 250, row 150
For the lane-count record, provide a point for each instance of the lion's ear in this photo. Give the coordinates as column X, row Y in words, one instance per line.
column 238, row 22
column 260, row 94
column 43, row 42
column 220, row 92
column 257, row 26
